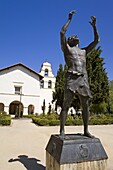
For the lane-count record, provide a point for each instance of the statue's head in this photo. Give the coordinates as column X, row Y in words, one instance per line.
column 73, row 40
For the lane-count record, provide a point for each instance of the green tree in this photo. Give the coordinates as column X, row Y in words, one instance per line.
column 98, row 79
column 43, row 107
column 111, row 84
column 58, row 95
column 99, row 108
column 110, row 101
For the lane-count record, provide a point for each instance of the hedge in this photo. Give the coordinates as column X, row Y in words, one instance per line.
column 53, row 120
column 5, row 120
column 46, row 120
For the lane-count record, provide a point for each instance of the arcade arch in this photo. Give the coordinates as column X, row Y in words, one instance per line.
column 16, row 108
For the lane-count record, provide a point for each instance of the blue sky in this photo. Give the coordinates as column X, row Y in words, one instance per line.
column 29, row 30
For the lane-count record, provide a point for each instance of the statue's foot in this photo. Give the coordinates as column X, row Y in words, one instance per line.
column 62, row 134
column 87, row 134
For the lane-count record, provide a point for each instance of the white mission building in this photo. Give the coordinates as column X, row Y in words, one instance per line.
column 23, row 88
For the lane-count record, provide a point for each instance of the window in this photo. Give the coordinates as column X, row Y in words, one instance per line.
column 49, row 84
column 18, row 90
column 46, row 72
column 42, row 84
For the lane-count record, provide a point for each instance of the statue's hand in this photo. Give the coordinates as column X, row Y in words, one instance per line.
column 71, row 14
column 93, row 22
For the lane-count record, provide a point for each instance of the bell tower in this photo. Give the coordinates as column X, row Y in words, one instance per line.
column 48, row 82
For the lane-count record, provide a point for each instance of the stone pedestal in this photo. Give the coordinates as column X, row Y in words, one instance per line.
column 75, row 152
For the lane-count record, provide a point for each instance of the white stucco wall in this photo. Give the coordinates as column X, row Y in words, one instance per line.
column 19, row 76
column 29, row 82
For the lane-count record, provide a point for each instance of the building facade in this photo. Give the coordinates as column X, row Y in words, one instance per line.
column 25, row 91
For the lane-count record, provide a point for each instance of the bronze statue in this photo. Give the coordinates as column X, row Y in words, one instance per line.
column 76, row 77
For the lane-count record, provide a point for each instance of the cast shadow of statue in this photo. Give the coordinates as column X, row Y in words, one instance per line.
column 29, row 163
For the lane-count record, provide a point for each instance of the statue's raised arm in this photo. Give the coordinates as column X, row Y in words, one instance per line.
column 93, row 44
column 64, row 29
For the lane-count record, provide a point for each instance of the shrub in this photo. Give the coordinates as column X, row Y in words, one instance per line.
column 78, row 120
column 40, row 122
column 69, row 122
column 2, row 113
column 53, row 120
column 43, row 122
column 28, row 116
column 53, row 116
column 5, row 120
column 46, row 120
column 101, row 119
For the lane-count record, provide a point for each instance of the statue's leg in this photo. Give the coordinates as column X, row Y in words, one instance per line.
column 68, row 96
column 85, row 114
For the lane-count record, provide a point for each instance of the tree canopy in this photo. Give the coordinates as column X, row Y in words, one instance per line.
column 110, row 101
column 58, row 95
column 97, row 76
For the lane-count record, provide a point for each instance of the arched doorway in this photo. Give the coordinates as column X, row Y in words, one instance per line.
column 30, row 109
column 16, row 108
column 1, row 107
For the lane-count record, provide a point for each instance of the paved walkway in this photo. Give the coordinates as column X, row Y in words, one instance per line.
column 22, row 145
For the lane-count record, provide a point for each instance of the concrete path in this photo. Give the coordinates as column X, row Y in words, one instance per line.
column 22, row 145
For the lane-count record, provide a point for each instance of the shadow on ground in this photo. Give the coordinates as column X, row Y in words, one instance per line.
column 29, row 163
